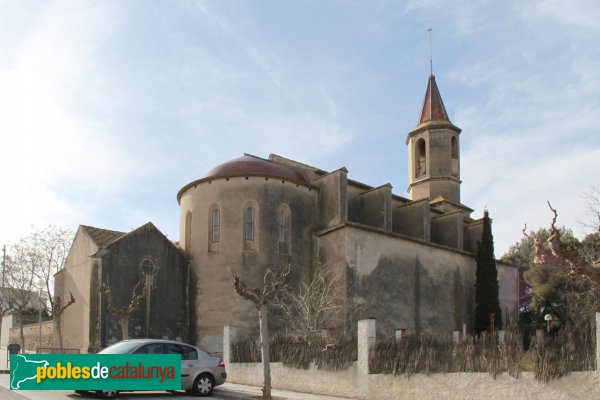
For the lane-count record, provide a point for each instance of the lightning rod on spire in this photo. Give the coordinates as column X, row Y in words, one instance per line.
column 430, row 54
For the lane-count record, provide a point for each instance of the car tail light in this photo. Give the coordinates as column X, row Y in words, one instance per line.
column 221, row 363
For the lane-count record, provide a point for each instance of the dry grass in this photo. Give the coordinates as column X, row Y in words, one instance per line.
column 568, row 351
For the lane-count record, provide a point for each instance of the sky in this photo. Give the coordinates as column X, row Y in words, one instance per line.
column 108, row 108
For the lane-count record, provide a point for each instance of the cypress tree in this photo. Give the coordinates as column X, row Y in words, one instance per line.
column 486, row 285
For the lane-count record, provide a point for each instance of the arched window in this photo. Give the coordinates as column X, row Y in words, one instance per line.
column 454, row 155
column 216, row 225
column 249, row 224
column 188, row 231
column 420, row 158
column 282, row 226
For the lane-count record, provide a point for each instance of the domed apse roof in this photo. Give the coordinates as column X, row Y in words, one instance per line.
column 250, row 165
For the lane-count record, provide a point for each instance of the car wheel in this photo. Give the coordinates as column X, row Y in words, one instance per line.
column 203, row 385
column 107, row 394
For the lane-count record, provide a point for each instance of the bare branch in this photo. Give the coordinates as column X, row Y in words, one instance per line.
column 566, row 254
column 58, row 308
column 127, row 310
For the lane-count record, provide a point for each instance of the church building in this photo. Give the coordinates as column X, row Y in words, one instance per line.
column 406, row 261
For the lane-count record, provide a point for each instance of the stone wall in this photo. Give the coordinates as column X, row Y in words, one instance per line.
column 356, row 382
column 346, row 383
column 31, row 333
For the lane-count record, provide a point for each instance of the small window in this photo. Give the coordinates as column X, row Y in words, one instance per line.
column 249, row 231
column 282, row 226
column 216, row 225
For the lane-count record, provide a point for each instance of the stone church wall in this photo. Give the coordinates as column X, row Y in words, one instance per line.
column 406, row 284
column 75, row 278
column 166, row 304
column 216, row 303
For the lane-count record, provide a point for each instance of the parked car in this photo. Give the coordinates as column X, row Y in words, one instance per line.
column 200, row 372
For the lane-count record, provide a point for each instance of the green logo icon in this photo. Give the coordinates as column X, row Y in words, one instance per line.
column 95, row 372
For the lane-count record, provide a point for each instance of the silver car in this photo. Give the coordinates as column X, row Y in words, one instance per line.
column 200, row 373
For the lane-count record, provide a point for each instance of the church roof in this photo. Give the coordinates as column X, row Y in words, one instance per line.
column 102, row 237
column 433, row 106
column 252, row 165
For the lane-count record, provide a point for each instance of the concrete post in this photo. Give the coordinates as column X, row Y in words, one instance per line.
column 456, row 337
column 401, row 335
column 597, row 341
column 501, row 334
column 229, row 336
column 366, row 340
column 539, row 337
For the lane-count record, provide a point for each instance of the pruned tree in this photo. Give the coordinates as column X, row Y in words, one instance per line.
column 123, row 313
column 569, row 254
column 273, row 284
column 563, row 272
column 308, row 307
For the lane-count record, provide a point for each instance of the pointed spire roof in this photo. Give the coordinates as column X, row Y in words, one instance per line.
column 433, row 106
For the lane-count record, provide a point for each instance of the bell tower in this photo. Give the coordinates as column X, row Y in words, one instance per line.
column 433, row 151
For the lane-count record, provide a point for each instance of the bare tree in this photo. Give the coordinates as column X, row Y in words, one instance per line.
column 568, row 254
column 308, row 307
column 20, row 293
column 593, row 200
column 274, row 282
column 51, row 246
column 123, row 313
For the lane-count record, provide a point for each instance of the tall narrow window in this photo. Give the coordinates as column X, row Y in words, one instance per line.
column 216, row 225
column 188, row 231
column 454, row 155
column 420, row 158
column 249, row 231
column 282, row 226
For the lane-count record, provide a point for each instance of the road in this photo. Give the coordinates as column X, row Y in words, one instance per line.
column 6, row 394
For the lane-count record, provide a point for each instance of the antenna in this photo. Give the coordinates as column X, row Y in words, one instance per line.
column 430, row 54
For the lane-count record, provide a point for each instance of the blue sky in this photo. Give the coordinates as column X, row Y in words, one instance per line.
column 108, row 108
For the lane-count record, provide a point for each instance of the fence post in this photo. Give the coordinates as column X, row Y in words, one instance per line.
column 501, row 335
column 456, row 337
column 366, row 340
column 597, row 341
column 400, row 335
column 539, row 337
column 229, row 336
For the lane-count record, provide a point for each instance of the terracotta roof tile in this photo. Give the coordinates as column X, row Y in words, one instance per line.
column 102, row 237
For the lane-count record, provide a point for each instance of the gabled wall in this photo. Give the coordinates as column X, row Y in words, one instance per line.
column 75, row 277
column 165, row 303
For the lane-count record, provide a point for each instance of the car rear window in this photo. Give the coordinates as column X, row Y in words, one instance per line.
column 152, row 348
column 120, row 348
column 187, row 352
